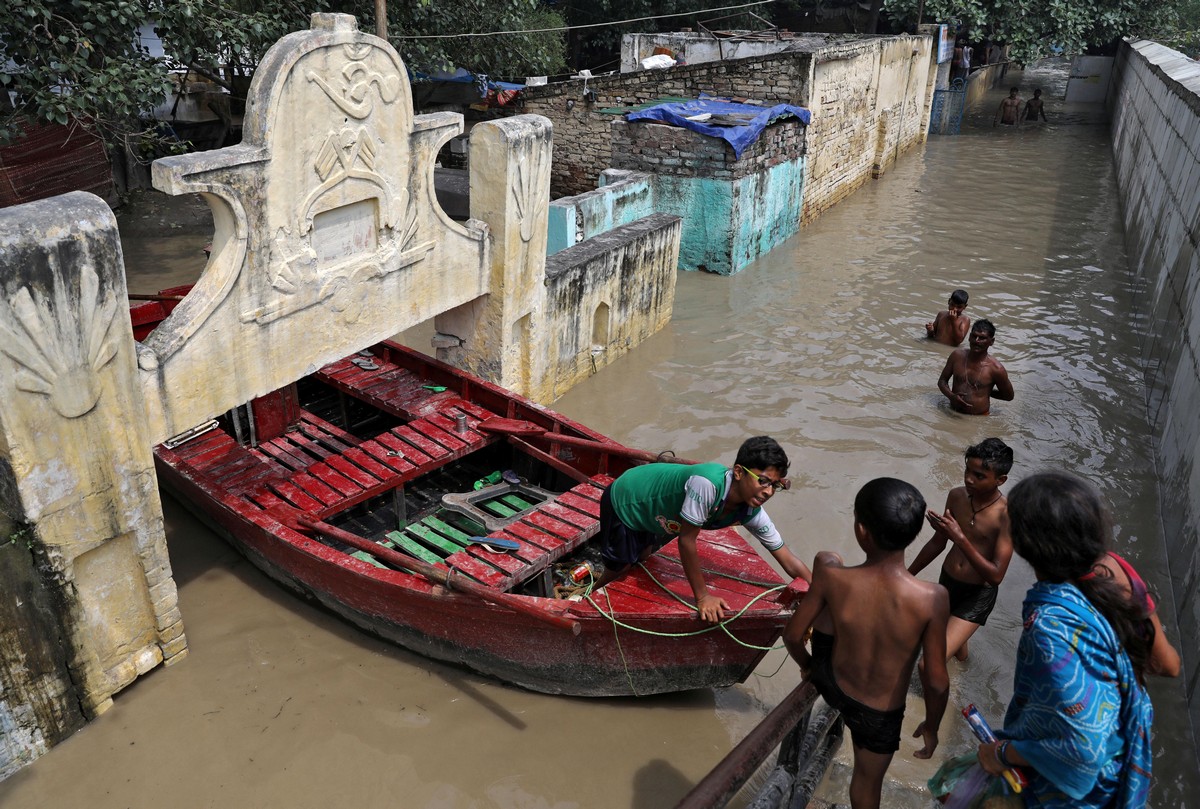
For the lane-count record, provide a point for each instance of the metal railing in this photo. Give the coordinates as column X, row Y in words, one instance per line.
column 806, row 743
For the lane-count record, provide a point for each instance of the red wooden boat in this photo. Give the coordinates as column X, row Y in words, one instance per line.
column 364, row 485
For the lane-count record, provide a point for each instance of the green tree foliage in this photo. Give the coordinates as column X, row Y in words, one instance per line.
column 70, row 61
column 1034, row 27
column 1181, row 28
column 511, row 55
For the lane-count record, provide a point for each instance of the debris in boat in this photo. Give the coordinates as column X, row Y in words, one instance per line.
column 511, row 478
column 434, row 388
column 365, row 364
column 496, row 544
column 489, row 480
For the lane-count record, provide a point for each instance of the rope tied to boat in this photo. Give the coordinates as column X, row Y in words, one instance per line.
column 723, row 625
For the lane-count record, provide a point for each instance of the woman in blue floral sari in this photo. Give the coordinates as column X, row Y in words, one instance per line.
column 1079, row 721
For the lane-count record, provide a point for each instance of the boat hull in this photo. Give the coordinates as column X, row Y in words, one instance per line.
column 640, row 637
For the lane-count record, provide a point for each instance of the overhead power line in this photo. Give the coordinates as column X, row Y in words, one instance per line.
column 588, row 25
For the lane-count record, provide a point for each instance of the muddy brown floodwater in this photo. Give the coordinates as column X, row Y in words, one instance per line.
column 818, row 344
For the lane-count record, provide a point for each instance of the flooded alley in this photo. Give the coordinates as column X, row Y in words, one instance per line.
column 819, row 344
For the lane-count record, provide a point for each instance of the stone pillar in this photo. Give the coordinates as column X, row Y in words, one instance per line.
column 78, row 495
column 500, row 336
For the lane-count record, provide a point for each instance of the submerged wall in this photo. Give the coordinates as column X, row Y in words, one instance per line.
column 606, row 295
column 1155, row 107
column 733, row 209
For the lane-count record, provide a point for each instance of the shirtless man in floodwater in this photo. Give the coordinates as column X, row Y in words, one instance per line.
column 977, row 378
column 1007, row 113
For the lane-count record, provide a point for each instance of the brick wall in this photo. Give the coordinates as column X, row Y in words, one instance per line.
column 870, row 98
column 582, row 134
column 663, row 149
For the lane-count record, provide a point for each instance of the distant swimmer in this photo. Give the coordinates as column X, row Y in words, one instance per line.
column 950, row 325
column 1008, row 112
column 1035, row 107
column 971, row 379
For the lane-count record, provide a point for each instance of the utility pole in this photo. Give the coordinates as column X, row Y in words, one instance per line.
column 381, row 19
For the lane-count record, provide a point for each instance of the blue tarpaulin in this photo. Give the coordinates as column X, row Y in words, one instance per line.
column 739, row 137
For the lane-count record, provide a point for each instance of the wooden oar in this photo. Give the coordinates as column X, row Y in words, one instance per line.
column 299, row 521
column 137, row 296
column 529, row 430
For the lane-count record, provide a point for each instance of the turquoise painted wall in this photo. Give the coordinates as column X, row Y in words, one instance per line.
column 729, row 223
column 573, row 219
column 726, row 223
column 768, row 207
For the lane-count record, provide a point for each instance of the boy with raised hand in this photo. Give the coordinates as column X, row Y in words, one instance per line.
column 649, row 505
column 950, row 325
column 882, row 617
column 976, row 522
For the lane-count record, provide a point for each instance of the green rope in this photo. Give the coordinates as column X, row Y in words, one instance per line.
column 723, row 625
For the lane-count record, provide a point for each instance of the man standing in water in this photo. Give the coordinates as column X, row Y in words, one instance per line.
column 977, row 378
column 1035, row 107
column 1008, row 112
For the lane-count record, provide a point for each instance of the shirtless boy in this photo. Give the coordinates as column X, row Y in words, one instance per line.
column 649, row 505
column 1035, row 107
column 976, row 522
column 881, row 618
column 1007, row 113
column 977, row 378
column 950, row 325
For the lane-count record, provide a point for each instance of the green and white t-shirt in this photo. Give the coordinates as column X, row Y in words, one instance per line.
column 659, row 498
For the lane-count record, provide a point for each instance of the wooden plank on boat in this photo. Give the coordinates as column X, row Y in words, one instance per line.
column 202, row 444
column 433, row 539
column 412, row 548
column 732, row 559
column 513, row 564
column 368, row 464
column 528, row 533
column 583, row 505
column 308, row 444
column 353, row 472
column 296, row 496
column 280, row 451
column 479, row 570
column 253, row 478
column 336, row 481
column 668, row 569
column 451, row 442
column 630, row 599
column 431, row 448
column 581, row 521
column 550, row 525
column 387, row 457
column 231, row 466
column 471, row 436
column 447, row 530
column 325, row 438
column 324, row 426
column 403, row 449
column 316, row 489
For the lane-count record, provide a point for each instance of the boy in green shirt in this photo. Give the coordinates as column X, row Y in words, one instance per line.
column 648, row 506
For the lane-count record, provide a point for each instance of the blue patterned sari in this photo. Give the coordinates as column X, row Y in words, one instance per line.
column 1078, row 714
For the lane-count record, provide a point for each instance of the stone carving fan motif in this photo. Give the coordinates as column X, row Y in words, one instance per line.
column 61, row 365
